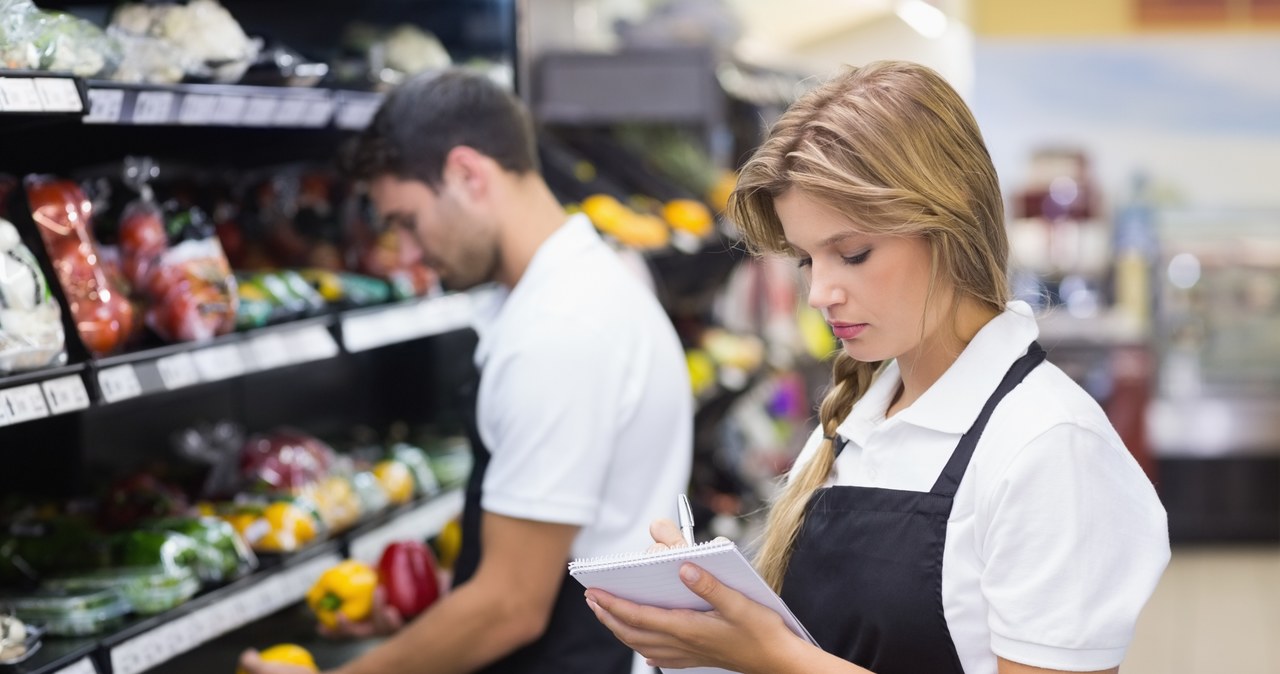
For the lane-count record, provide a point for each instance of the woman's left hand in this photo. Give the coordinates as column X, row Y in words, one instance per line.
column 737, row 634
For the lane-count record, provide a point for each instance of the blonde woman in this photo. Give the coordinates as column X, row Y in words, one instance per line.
column 963, row 507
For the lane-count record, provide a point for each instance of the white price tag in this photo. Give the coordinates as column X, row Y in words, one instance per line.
column 20, row 95
column 229, row 110
column 418, row 524
column 197, row 109
column 259, row 112
column 59, row 94
column 81, row 666
column 178, row 371
column 24, row 403
column 104, row 106
column 65, row 394
column 119, row 383
column 318, row 113
column 313, row 343
column 219, row 362
column 370, row 331
column 269, row 352
column 355, row 115
column 153, row 107
column 290, row 112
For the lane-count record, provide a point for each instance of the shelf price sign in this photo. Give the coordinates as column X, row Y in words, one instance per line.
column 105, row 106
column 65, row 394
column 119, row 383
column 22, row 403
column 153, row 107
column 219, row 362
column 19, row 94
column 81, row 666
column 178, row 371
column 197, row 109
column 59, row 94
column 229, row 110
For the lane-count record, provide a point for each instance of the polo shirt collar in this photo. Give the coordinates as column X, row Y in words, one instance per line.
column 953, row 403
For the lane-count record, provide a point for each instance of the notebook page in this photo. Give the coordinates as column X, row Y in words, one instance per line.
column 653, row 580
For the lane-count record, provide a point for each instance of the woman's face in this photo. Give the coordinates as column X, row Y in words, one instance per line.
column 872, row 289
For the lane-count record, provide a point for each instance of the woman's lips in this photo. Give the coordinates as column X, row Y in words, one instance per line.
column 847, row 330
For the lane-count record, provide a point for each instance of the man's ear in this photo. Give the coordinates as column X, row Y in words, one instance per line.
column 468, row 170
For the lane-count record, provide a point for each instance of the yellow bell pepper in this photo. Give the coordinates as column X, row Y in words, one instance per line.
column 287, row 654
column 396, row 479
column 347, row 590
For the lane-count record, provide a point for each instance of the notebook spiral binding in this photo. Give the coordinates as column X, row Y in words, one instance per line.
column 630, row 559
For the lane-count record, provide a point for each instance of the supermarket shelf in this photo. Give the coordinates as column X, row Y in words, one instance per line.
column 151, row 641
column 60, row 390
column 97, row 102
column 178, row 366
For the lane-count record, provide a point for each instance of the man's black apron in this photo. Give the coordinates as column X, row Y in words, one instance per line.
column 865, row 575
column 575, row 642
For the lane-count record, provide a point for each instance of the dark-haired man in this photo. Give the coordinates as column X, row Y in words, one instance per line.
column 583, row 411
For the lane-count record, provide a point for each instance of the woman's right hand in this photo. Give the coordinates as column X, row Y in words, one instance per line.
column 666, row 535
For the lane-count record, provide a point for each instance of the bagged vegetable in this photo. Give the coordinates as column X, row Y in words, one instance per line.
column 31, row 333
column 17, row 35
column 104, row 318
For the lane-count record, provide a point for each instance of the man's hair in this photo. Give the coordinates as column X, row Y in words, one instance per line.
column 429, row 115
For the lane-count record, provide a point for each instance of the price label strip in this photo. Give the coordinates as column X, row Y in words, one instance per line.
column 418, row 524
column 311, row 344
column 356, row 114
column 22, row 403
column 105, row 106
column 370, row 331
column 153, row 107
column 229, row 110
column 59, row 94
column 290, row 112
column 65, row 394
column 81, row 666
column 219, row 362
column 268, row 352
column 259, row 112
column 119, row 383
column 318, row 113
column 20, row 95
column 185, row 633
column 178, row 371
column 197, row 109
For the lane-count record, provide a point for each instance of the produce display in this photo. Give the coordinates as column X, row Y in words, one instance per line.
column 287, row 654
column 104, row 317
column 18, row 641
column 407, row 575
column 31, row 335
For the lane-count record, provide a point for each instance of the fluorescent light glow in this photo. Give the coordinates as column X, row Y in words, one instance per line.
column 926, row 19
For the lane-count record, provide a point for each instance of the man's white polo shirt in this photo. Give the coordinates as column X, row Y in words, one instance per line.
column 584, row 400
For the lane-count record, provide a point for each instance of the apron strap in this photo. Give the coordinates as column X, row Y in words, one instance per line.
column 949, row 480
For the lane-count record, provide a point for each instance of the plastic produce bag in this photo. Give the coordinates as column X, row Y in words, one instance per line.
column 31, row 333
column 17, row 35
column 104, row 318
column 66, row 43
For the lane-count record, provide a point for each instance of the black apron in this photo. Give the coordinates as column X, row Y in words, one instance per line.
column 865, row 575
column 575, row 641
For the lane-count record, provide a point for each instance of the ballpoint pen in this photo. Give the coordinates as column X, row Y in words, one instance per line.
column 686, row 519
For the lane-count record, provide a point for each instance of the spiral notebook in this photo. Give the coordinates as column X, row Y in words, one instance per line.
column 653, row 579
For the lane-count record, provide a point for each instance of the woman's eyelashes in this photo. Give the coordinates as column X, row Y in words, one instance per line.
column 858, row 258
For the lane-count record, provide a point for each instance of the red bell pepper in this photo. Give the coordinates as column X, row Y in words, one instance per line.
column 407, row 573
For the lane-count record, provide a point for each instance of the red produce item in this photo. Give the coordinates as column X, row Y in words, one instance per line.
column 285, row 461
column 104, row 318
column 139, row 497
column 407, row 574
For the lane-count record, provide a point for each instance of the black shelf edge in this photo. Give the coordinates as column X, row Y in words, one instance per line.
column 41, row 375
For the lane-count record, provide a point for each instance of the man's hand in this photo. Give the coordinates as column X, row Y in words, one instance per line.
column 384, row 620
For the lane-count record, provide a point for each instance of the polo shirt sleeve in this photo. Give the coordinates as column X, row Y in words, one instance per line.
column 1075, row 545
column 548, row 415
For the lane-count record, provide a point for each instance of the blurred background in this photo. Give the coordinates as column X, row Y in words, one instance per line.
column 1137, row 143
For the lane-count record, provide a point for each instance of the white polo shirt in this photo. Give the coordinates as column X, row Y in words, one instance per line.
column 1056, row 538
column 584, row 401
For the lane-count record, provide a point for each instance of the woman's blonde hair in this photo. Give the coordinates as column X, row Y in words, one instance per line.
column 892, row 146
